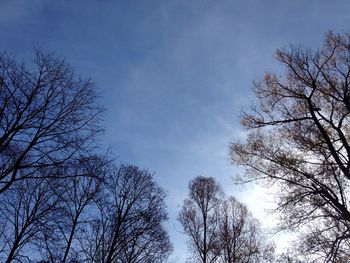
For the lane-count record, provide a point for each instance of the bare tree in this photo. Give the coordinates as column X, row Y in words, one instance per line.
column 299, row 141
column 51, row 184
column 48, row 116
column 128, row 228
column 25, row 212
column 199, row 218
column 76, row 195
column 43, row 215
column 240, row 236
column 220, row 228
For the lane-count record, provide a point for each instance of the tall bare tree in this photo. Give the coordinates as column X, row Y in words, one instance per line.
column 240, row 235
column 199, row 218
column 76, row 195
column 128, row 228
column 220, row 228
column 45, row 214
column 26, row 211
column 52, row 185
column 299, row 141
column 48, row 116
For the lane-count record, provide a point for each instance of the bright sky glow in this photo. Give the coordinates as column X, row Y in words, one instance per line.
column 174, row 75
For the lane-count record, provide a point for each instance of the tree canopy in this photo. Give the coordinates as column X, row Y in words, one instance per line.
column 299, row 141
column 220, row 229
column 48, row 117
column 61, row 200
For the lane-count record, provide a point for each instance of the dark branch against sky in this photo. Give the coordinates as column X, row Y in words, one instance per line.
column 174, row 75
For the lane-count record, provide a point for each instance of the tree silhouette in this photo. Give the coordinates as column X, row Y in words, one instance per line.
column 128, row 228
column 26, row 211
column 48, row 116
column 199, row 218
column 240, row 236
column 299, row 141
column 221, row 229
column 60, row 201
column 76, row 195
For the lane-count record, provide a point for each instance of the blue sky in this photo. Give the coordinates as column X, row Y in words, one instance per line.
column 174, row 75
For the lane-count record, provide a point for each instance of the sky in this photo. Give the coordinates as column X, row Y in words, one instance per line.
column 174, row 75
